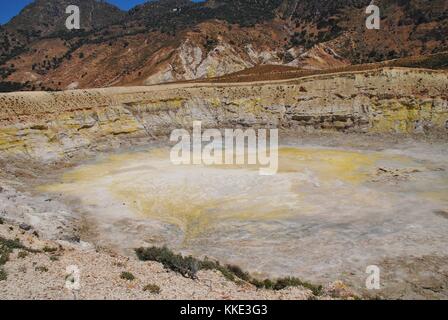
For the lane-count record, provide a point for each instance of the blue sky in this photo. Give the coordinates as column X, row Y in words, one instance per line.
column 10, row 8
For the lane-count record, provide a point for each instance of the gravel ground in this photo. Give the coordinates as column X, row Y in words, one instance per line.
column 42, row 275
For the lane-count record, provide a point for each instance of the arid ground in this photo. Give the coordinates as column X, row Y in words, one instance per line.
column 362, row 181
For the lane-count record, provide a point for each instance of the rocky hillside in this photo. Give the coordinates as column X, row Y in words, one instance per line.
column 44, row 18
column 171, row 40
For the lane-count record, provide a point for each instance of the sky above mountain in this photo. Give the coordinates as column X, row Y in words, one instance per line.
column 9, row 9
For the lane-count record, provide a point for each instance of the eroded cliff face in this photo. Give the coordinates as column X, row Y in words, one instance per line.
column 192, row 61
column 53, row 126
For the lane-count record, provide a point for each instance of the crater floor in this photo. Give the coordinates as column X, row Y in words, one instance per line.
column 327, row 214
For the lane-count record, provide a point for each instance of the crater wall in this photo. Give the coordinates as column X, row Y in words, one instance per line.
column 50, row 126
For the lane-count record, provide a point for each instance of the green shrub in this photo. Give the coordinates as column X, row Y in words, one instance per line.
column 11, row 244
column 3, row 275
column 6, row 247
column 4, row 255
column 237, row 271
column 189, row 266
column 207, row 264
column 41, row 269
column 22, row 254
column 49, row 249
column 153, row 288
column 283, row 283
column 257, row 283
column 127, row 276
column 225, row 272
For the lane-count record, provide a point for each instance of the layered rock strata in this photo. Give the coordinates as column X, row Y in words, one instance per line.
column 49, row 126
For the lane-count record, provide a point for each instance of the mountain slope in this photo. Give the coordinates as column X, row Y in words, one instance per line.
column 46, row 17
column 172, row 40
column 43, row 18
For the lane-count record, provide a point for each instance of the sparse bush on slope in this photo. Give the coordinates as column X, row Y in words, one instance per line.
column 189, row 266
